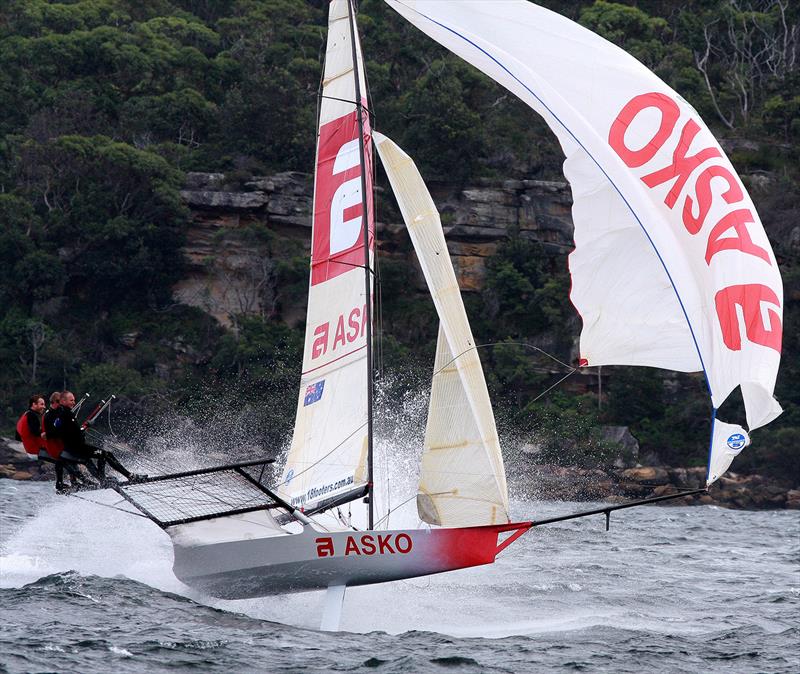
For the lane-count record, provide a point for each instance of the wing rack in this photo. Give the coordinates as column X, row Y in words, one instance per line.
column 203, row 494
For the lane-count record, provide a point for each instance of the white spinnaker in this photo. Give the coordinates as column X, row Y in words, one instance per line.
column 328, row 453
column 462, row 477
column 672, row 267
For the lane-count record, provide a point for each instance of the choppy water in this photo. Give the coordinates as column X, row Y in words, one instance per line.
column 89, row 589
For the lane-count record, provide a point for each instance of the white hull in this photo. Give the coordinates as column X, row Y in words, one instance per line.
column 313, row 560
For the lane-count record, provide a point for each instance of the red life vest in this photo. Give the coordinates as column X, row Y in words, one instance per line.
column 54, row 446
column 30, row 441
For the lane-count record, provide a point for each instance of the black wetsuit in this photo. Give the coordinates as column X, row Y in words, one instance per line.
column 49, row 416
column 68, row 429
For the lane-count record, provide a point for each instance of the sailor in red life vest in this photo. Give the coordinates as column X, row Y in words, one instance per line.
column 29, row 426
column 30, row 429
column 53, row 444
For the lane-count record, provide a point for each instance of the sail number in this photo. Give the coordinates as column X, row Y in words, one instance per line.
column 367, row 544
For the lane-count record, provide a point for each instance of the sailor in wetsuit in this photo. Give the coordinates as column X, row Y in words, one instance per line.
column 53, row 447
column 30, row 430
column 29, row 426
column 49, row 413
column 64, row 426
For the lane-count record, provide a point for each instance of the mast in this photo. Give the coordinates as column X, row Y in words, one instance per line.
column 367, row 270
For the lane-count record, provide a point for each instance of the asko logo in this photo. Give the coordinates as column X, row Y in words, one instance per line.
column 349, row 328
column 338, row 245
column 368, row 544
column 692, row 171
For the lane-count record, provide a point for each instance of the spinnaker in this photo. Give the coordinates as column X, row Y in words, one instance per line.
column 672, row 267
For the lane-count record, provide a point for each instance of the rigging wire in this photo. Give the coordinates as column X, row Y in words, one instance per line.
column 547, row 390
column 325, row 456
column 572, row 370
column 391, row 510
column 109, row 419
column 525, row 344
column 107, row 505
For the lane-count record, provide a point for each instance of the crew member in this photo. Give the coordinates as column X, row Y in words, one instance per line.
column 53, row 444
column 29, row 426
column 30, row 429
column 76, row 448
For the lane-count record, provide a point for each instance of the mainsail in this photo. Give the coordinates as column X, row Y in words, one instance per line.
column 462, row 477
column 672, row 267
column 327, row 461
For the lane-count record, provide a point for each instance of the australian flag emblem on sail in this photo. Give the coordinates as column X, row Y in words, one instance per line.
column 313, row 393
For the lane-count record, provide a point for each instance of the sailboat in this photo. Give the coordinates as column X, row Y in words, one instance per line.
column 694, row 288
column 233, row 536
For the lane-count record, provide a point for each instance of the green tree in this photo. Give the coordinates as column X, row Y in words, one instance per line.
column 115, row 213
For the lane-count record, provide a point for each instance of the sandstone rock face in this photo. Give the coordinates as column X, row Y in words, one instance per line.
column 204, row 181
column 750, row 492
column 226, row 277
column 229, row 275
column 652, row 474
column 235, row 201
column 15, row 464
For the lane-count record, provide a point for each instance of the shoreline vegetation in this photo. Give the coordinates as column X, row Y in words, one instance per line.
column 547, row 482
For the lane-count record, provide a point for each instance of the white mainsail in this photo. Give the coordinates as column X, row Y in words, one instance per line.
column 672, row 267
column 328, row 454
column 462, row 477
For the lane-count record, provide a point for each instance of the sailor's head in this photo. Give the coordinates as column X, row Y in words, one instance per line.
column 67, row 399
column 36, row 403
column 54, row 399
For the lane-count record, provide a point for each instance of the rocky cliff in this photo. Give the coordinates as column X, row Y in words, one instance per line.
column 229, row 275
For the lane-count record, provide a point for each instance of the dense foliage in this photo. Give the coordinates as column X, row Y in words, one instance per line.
column 104, row 104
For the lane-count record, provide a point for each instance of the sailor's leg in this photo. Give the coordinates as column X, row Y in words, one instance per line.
column 86, row 453
column 73, row 458
column 332, row 611
column 73, row 470
column 59, row 475
column 41, row 459
column 94, row 471
column 101, row 463
column 113, row 461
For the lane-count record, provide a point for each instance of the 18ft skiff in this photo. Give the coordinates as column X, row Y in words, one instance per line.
column 671, row 269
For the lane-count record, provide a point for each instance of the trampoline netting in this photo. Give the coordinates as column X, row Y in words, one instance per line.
column 198, row 495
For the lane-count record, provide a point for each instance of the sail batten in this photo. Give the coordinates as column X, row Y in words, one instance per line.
column 462, row 476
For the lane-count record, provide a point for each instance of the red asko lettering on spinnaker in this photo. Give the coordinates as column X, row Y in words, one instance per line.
column 368, row 544
column 338, row 237
column 729, row 233
column 349, row 327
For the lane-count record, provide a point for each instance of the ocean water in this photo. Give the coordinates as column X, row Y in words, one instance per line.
column 86, row 588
